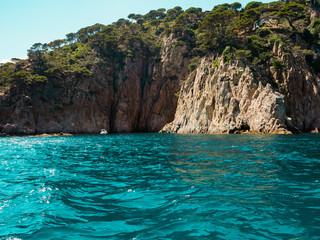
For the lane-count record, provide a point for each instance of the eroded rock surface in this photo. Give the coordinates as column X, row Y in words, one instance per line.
column 140, row 97
column 151, row 96
column 228, row 98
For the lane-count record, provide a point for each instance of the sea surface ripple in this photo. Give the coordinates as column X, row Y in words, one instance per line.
column 160, row 186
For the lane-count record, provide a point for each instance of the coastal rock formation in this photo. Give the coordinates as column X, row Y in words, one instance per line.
column 176, row 74
column 233, row 69
column 300, row 88
column 147, row 96
column 139, row 98
column 227, row 98
column 220, row 97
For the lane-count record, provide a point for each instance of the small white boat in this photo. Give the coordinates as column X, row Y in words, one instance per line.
column 103, row 131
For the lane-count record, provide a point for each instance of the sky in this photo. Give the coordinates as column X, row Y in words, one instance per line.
column 25, row 22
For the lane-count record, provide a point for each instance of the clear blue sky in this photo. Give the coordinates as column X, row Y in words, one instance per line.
column 25, row 22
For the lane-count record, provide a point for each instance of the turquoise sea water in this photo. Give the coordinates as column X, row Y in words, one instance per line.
column 160, row 186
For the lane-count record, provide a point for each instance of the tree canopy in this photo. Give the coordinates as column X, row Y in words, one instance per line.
column 239, row 33
column 292, row 12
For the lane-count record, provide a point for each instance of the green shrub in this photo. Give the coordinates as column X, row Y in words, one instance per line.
column 263, row 32
column 278, row 65
column 216, row 61
column 315, row 28
column 265, row 57
column 275, row 39
column 66, row 70
column 178, row 29
column 6, row 70
column 242, row 54
column 194, row 63
column 192, row 66
column 228, row 54
column 299, row 51
column 178, row 43
column 252, row 5
column 21, row 76
column 26, row 77
column 38, row 78
column 256, row 44
column 159, row 31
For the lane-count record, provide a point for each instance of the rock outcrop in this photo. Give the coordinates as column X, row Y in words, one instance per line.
column 227, row 98
column 139, row 98
column 220, row 97
column 161, row 95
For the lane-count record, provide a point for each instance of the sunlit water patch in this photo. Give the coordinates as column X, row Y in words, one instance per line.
column 160, row 186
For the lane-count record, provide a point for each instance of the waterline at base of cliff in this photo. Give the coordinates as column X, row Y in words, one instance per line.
column 229, row 70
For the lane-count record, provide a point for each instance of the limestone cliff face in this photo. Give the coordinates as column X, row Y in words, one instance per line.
column 228, row 98
column 140, row 97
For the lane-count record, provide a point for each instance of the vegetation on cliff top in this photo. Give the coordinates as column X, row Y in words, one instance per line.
column 247, row 33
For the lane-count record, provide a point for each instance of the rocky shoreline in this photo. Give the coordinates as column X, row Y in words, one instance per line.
column 262, row 80
column 215, row 98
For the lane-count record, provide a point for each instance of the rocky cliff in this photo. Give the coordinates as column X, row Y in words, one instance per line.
column 139, row 98
column 217, row 97
column 231, row 98
column 231, row 70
